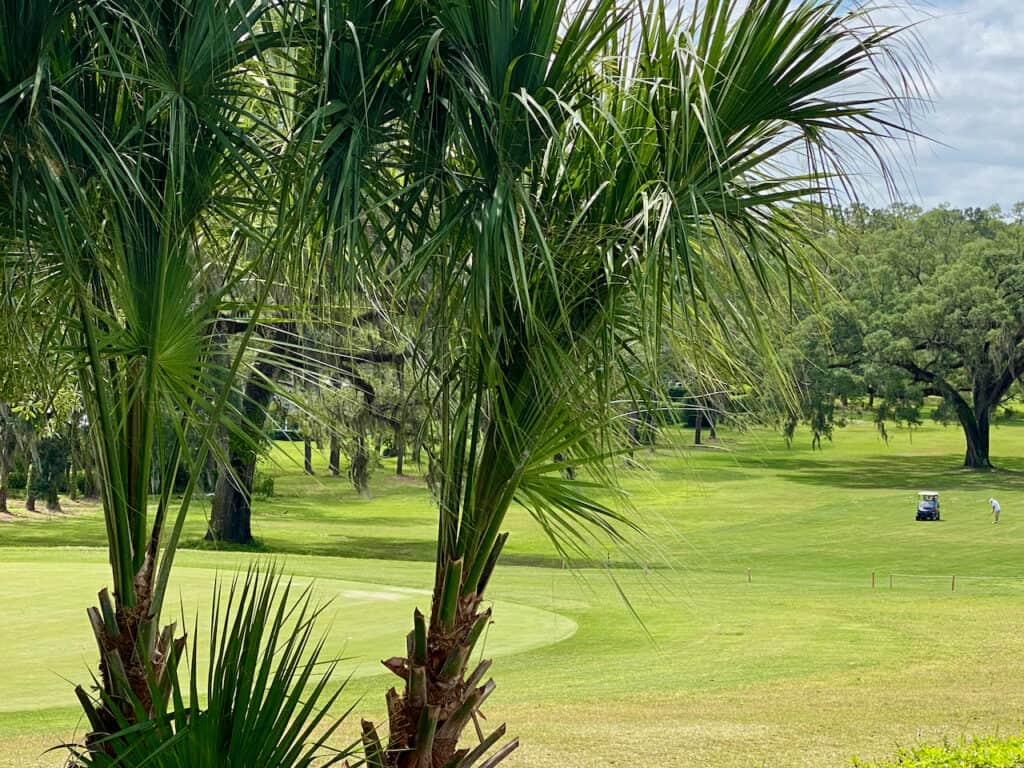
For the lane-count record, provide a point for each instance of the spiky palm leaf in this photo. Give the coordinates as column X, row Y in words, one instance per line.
column 266, row 698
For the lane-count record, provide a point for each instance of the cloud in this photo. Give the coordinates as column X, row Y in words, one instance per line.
column 976, row 124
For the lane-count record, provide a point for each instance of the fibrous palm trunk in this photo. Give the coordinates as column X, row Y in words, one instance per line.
column 133, row 661
column 440, row 700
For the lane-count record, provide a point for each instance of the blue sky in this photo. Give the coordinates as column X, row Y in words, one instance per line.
column 976, row 120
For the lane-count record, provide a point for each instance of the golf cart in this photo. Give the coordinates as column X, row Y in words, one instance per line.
column 928, row 505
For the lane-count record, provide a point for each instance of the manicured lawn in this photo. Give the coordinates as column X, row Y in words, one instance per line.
column 803, row 665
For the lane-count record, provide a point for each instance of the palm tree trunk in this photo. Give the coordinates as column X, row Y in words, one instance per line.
column 127, row 661
column 426, row 721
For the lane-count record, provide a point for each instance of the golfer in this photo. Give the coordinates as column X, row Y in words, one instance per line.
column 995, row 510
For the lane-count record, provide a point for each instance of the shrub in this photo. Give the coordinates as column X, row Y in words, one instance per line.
column 977, row 753
column 267, row 700
column 17, row 480
column 262, row 486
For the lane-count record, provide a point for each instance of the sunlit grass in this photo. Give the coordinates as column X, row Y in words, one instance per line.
column 804, row 664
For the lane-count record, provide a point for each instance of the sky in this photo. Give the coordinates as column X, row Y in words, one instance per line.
column 975, row 124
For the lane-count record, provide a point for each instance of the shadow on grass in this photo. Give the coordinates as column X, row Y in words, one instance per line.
column 931, row 472
column 363, row 548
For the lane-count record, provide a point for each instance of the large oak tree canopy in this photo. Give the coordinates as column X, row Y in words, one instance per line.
column 932, row 303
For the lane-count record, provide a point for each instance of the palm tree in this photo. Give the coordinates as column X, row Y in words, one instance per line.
column 137, row 153
column 567, row 179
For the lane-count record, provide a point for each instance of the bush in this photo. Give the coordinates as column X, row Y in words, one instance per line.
column 268, row 691
column 977, row 753
column 17, row 480
column 262, row 486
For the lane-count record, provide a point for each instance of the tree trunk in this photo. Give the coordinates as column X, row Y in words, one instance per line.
column 712, row 429
column 73, row 459
column 53, row 499
column 30, row 495
column 987, row 392
column 698, row 427
column 231, row 512
column 417, row 448
column 307, row 456
column 976, row 432
column 359, row 469
column 72, row 479
column 399, row 448
column 128, row 664
column 91, row 489
column 5, row 473
column 569, row 472
column 334, row 460
column 440, row 700
column 633, row 419
column 209, row 474
column 974, row 419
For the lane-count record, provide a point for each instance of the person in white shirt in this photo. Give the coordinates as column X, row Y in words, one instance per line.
column 995, row 510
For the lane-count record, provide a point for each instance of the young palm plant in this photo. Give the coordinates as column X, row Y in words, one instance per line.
column 265, row 702
column 579, row 175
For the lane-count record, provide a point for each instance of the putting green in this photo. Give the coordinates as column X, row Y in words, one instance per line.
column 48, row 644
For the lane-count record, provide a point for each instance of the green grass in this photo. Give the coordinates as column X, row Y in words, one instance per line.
column 804, row 665
column 976, row 753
